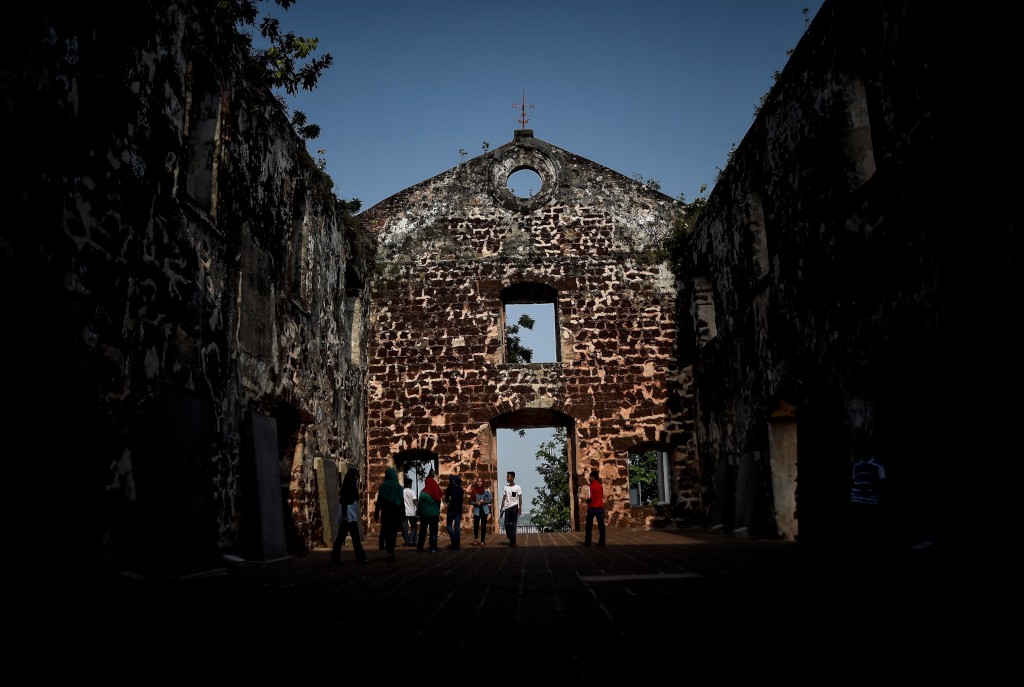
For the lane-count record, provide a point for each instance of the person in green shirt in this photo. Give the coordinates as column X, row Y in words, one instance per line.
column 429, row 511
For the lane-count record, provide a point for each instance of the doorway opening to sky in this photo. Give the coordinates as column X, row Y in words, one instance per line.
column 517, row 451
column 536, row 444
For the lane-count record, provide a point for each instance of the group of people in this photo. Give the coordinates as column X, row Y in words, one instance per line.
column 417, row 516
column 399, row 508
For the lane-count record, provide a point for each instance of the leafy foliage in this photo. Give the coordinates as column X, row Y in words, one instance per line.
column 282, row 62
column 353, row 205
column 305, row 130
column 515, row 351
column 643, row 476
column 683, row 227
column 279, row 65
column 551, row 505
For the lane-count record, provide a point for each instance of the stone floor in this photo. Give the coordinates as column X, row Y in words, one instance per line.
column 649, row 605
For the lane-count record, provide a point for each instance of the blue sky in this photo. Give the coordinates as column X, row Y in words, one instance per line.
column 659, row 88
column 662, row 89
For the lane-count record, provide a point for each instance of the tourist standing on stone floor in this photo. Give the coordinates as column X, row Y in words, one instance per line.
column 390, row 510
column 867, row 500
column 511, row 500
column 429, row 511
column 409, row 523
column 595, row 509
column 454, row 496
column 480, row 501
column 348, row 519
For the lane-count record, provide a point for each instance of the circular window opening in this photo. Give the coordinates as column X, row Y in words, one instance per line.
column 525, row 183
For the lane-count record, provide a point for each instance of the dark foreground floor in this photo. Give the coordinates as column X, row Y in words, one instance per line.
column 666, row 605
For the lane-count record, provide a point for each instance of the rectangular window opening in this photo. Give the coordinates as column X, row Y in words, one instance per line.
column 649, row 478
column 530, row 333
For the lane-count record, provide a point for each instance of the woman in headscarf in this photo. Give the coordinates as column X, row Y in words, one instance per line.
column 348, row 519
column 428, row 508
column 390, row 510
column 432, row 487
column 480, row 499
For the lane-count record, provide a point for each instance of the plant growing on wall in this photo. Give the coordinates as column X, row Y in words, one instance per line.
column 306, row 130
column 777, row 73
column 279, row 60
column 683, row 227
column 651, row 183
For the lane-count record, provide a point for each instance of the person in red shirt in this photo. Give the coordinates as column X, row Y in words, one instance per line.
column 595, row 509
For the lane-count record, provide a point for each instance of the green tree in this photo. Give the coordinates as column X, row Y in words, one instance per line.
column 284, row 62
column 643, row 476
column 515, row 351
column 278, row 60
column 551, row 505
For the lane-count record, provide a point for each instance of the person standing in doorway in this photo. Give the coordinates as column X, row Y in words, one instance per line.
column 595, row 509
column 348, row 519
column 511, row 498
column 480, row 501
column 409, row 524
column 390, row 510
column 454, row 495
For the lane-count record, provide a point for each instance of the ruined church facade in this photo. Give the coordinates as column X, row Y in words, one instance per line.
column 454, row 251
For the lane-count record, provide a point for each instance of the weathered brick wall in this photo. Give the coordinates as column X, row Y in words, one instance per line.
column 437, row 379
column 183, row 265
column 846, row 279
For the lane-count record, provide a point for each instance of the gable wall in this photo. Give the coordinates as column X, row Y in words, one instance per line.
column 449, row 246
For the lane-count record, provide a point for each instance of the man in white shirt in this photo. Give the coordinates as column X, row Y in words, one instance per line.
column 511, row 498
column 409, row 532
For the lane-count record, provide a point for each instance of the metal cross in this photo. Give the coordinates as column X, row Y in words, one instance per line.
column 522, row 109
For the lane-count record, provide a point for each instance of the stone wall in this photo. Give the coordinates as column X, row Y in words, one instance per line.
column 848, row 285
column 192, row 360
column 179, row 273
column 454, row 250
